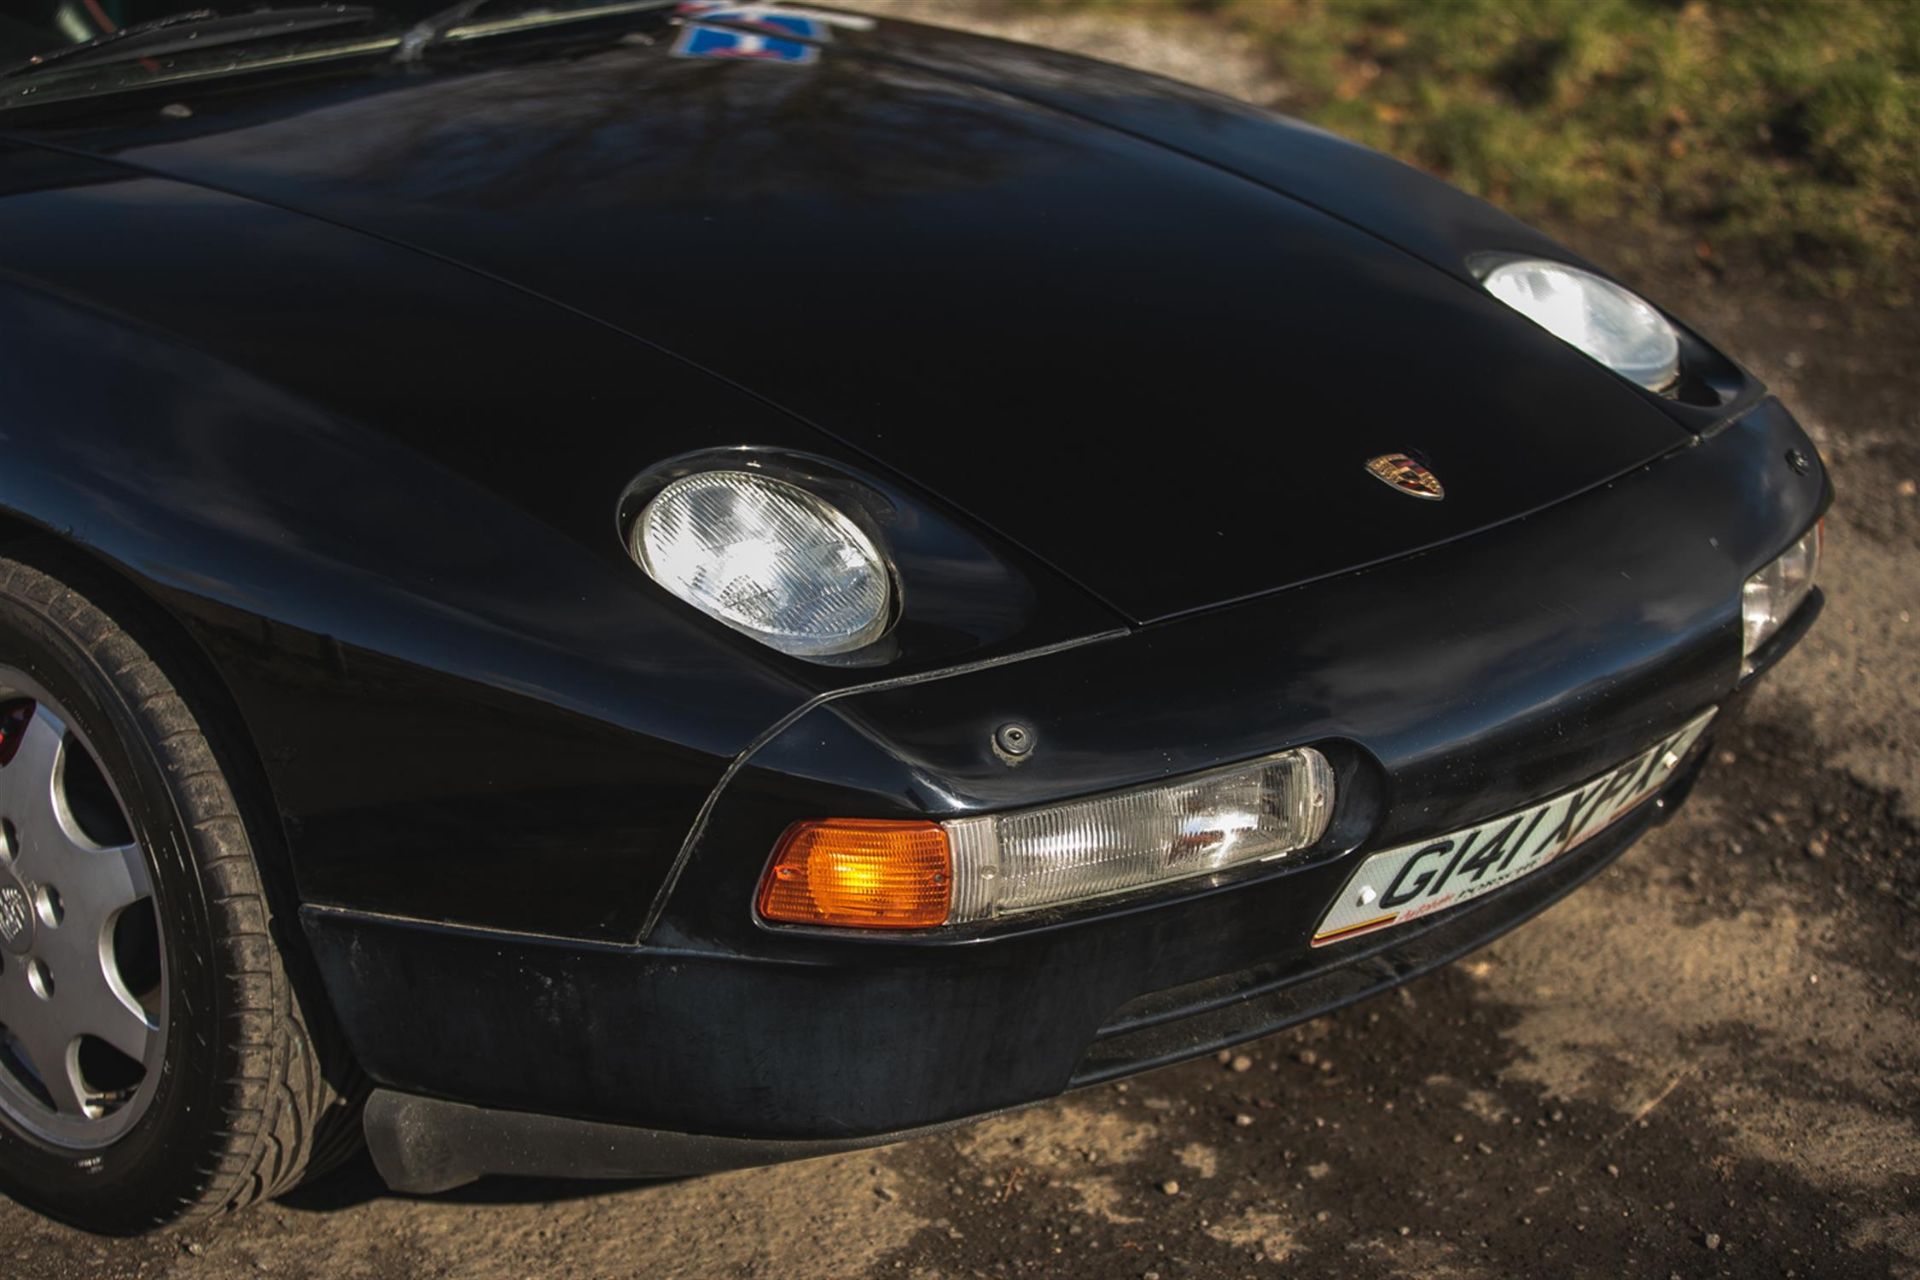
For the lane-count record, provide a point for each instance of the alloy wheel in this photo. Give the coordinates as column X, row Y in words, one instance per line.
column 82, row 965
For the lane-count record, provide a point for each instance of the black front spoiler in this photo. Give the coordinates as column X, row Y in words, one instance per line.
column 425, row 1145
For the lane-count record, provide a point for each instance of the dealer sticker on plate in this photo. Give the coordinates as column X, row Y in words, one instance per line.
column 1418, row 879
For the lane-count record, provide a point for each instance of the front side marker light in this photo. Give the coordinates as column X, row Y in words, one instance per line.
column 1772, row 595
column 901, row 875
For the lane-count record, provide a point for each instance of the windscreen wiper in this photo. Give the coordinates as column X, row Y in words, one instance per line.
column 196, row 29
column 465, row 18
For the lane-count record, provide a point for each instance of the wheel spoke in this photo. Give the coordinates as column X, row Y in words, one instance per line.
column 97, row 884
column 89, row 991
column 100, row 1010
column 133, row 866
column 17, row 1001
column 48, row 1044
column 26, row 792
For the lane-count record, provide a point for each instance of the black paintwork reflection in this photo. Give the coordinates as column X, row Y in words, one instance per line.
column 405, row 779
column 382, row 492
column 1438, row 223
column 380, row 488
column 1480, row 677
column 1157, row 375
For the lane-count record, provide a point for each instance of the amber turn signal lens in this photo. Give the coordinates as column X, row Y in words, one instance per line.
column 860, row 873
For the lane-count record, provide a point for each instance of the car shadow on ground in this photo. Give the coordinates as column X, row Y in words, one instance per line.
column 358, row 1183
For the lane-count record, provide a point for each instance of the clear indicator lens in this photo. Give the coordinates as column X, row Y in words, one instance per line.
column 1024, row 861
column 765, row 557
column 1770, row 596
column 1615, row 327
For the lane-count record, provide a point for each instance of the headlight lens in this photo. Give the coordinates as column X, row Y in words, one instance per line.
column 1770, row 596
column 1615, row 327
column 765, row 557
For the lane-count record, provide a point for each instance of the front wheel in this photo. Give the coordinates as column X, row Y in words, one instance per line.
column 156, row 1060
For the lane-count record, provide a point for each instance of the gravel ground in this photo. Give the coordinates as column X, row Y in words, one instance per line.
column 1705, row 1063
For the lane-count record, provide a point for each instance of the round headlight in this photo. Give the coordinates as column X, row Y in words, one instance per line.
column 1613, row 326
column 765, row 557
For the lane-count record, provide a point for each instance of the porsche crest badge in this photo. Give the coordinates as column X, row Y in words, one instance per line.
column 1406, row 475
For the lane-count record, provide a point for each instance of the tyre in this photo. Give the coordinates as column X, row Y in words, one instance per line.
column 157, row 1060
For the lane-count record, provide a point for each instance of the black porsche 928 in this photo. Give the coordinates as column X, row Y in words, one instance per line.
column 631, row 589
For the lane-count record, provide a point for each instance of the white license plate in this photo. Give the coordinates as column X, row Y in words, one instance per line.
column 1418, row 879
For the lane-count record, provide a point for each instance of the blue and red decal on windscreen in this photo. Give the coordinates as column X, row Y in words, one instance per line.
column 757, row 32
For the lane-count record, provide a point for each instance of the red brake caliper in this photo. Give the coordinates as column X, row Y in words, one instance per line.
column 14, row 718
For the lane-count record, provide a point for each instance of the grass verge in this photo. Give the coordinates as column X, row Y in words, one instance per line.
column 1787, row 130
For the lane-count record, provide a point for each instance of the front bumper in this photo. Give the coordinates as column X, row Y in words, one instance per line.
column 1448, row 688
column 426, row 1144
